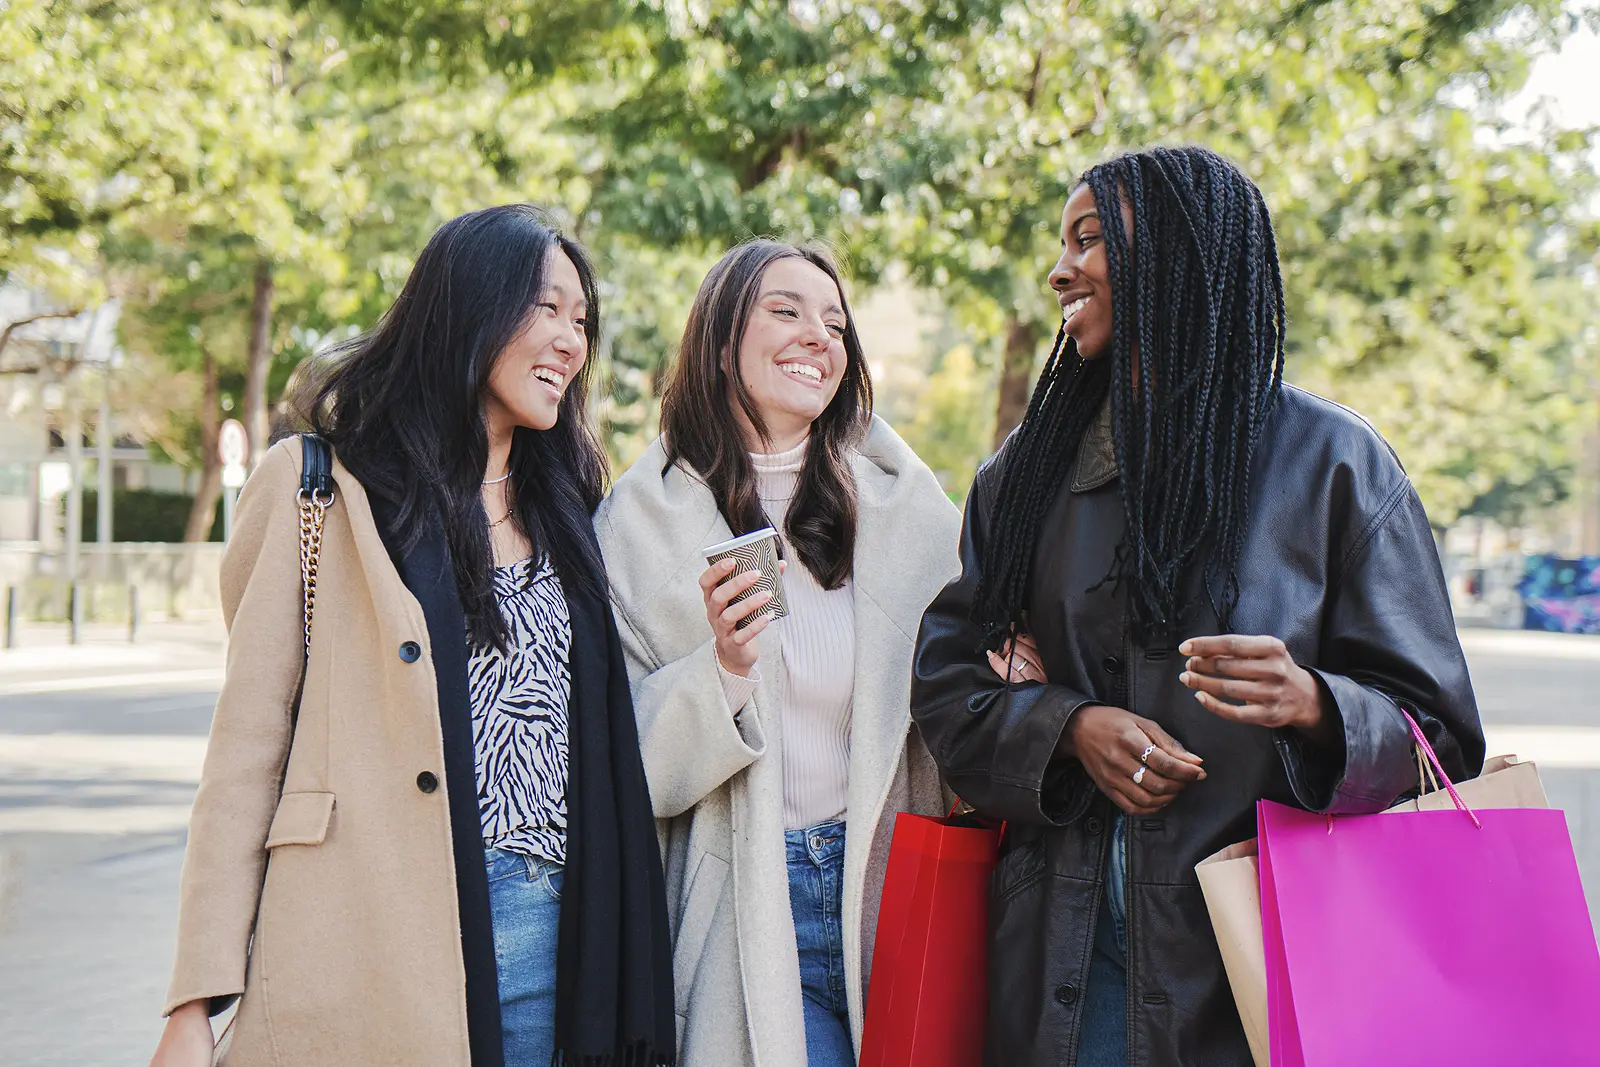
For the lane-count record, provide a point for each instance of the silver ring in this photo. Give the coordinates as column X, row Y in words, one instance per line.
column 1144, row 756
column 1138, row 775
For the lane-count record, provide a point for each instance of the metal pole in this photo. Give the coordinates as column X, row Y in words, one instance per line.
column 133, row 614
column 103, row 471
column 11, row 616
column 74, row 442
column 229, row 496
column 74, row 613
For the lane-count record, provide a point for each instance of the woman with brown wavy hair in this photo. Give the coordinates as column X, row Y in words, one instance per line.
column 763, row 744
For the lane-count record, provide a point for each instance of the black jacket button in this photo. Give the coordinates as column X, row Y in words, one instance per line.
column 427, row 781
column 1067, row 994
column 1112, row 665
column 1094, row 825
column 411, row 652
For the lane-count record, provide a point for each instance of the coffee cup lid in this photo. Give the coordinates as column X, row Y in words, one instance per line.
column 739, row 542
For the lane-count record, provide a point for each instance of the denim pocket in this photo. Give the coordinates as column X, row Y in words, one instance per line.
column 554, row 875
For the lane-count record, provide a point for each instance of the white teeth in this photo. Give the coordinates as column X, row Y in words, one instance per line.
column 802, row 370
column 548, row 376
column 1073, row 308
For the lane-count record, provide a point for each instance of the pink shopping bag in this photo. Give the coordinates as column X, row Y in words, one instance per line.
column 1455, row 937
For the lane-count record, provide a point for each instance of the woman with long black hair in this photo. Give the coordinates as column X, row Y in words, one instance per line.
column 423, row 834
column 1186, row 586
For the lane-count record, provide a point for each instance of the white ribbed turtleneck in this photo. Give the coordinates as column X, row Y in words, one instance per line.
column 817, row 645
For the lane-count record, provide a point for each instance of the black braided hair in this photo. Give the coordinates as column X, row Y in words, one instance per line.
column 1197, row 314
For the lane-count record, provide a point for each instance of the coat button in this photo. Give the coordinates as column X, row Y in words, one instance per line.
column 1067, row 994
column 1112, row 665
column 1094, row 825
column 411, row 652
column 427, row 781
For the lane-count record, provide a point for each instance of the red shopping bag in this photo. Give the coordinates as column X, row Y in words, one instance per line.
column 927, row 1002
column 1453, row 936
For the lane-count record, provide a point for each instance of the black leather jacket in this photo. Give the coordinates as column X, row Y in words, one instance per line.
column 1339, row 562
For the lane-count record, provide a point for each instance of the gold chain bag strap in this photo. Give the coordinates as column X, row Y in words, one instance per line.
column 314, row 497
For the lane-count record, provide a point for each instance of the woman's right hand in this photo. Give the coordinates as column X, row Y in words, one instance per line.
column 186, row 1041
column 736, row 649
column 1109, row 742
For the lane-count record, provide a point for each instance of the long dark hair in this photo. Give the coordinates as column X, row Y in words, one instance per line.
column 403, row 406
column 702, row 432
column 1197, row 292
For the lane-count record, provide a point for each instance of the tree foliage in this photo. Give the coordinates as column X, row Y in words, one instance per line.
column 1440, row 267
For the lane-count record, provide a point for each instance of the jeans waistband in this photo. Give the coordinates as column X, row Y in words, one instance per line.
column 818, row 844
column 501, row 862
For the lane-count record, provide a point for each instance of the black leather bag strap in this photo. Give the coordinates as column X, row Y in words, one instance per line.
column 314, row 497
column 316, row 469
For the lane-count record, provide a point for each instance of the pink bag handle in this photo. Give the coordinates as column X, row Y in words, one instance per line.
column 1422, row 744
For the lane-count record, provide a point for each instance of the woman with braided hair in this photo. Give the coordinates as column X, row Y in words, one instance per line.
column 1186, row 586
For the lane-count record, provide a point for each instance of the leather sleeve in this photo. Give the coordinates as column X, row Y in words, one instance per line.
column 1389, row 642
column 995, row 743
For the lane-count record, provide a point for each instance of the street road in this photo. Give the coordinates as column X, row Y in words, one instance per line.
column 100, row 750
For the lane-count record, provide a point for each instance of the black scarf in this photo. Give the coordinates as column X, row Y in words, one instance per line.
column 614, row 1003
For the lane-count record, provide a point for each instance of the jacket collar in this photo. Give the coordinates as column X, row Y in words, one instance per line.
column 1097, row 455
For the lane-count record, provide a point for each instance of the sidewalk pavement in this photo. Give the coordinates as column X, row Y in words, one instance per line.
column 185, row 652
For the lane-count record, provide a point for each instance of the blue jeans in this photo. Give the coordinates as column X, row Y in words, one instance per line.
column 1103, row 1041
column 816, row 883
column 525, row 906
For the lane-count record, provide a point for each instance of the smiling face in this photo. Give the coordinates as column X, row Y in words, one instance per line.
column 532, row 373
column 792, row 355
column 1082, row 276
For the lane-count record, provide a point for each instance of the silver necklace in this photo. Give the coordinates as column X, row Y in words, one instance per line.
column 497, row 481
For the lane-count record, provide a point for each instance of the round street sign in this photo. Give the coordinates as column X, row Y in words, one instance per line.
column 233, row 444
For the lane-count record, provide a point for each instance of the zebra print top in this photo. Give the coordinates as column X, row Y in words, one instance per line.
column 519, row 716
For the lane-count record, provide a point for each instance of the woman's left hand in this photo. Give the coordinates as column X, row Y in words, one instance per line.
column 1252, row 680
column 1019, row 660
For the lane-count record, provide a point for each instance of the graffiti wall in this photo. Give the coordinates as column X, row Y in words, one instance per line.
column 1561, row 595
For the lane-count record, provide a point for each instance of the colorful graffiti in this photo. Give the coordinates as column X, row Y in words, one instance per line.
column 1561, row 595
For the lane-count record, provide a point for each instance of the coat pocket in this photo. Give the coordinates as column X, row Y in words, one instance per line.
column 694, row 925
column 301, row 819
column 1018, row 869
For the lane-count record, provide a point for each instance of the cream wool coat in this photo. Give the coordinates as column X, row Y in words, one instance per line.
column 717, row 786
column 346, row 881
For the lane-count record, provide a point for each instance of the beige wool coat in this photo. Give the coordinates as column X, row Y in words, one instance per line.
column 717, row 785
column 346, row 880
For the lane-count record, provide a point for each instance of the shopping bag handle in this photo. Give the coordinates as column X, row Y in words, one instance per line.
column 973, row 811
column 1422, row 744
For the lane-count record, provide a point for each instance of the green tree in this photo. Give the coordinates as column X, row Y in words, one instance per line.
column 251, row 181
column 259, row 177
column 1367, row 125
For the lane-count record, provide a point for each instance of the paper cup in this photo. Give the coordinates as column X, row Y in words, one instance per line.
column 757, row 551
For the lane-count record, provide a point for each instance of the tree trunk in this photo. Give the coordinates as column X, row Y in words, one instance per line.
column 204, row 511
column 1016, row 375
column 258, row 363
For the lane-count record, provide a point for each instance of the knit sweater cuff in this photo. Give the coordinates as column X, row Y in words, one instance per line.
column 737, row 689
